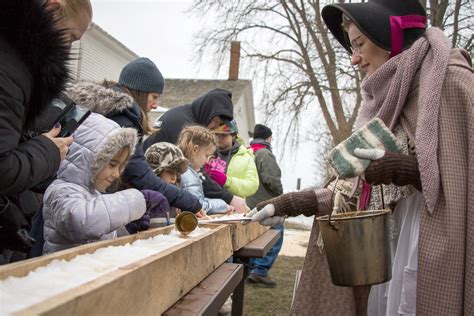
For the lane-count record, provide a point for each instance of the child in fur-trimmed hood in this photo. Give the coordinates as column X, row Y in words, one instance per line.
column 75, row 209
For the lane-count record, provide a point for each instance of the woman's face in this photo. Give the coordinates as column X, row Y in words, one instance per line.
column 201, row 155
column 365, row 53
column 153, row 101
column 111, row 171
column 73, row 26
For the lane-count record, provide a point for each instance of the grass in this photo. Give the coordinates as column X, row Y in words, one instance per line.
column 260, row 300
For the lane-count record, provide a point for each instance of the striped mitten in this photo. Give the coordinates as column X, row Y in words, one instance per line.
column 372, row 135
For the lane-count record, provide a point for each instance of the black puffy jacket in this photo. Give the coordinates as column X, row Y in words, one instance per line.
column 33, row 71
column 202, row 110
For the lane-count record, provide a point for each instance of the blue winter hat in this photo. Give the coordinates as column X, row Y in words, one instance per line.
column 142, row 74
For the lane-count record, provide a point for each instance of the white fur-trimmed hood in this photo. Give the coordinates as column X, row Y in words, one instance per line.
column 96, row 141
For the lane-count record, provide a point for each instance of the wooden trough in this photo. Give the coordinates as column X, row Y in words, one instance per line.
column 244, row 234
column 241, row 234
column 147, row 287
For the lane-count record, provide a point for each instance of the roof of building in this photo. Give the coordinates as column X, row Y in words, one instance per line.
column 184, row 91
column 113, row 39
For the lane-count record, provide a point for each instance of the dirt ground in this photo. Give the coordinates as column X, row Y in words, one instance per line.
column 260, row 300
column 295, row 243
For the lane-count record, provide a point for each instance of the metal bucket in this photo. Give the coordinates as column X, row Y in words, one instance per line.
column 357, row 247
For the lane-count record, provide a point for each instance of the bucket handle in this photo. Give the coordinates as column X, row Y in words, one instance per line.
column 331, row 223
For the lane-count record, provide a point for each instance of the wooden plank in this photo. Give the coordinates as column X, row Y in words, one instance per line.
column 146, row 287
column 243, row 234
column 295, row 287
column 22, row 268
column 208, row 297
column 260, row 246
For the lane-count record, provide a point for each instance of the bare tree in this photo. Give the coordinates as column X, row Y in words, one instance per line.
column 288, row 43
column 287, row 46
column 455, row 18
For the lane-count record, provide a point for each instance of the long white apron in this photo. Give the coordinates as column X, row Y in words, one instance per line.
column 398, row 296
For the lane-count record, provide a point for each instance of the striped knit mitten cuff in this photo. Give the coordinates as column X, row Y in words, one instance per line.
column 395, row 168
column 294, row 203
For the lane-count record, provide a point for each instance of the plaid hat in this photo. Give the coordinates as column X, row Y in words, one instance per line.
column 142, row 74
column 229, row 127
column 166, row 156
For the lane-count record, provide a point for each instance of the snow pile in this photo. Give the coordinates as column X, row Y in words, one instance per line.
column 61, row 275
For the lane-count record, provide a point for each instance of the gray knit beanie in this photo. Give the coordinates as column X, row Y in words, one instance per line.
column 142, row 74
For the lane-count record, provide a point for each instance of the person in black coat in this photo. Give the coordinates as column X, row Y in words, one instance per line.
column 127, row 103
column 35, row 39
column 211, row 110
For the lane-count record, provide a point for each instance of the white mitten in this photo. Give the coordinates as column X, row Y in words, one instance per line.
column 266, row 216
column 372, row 154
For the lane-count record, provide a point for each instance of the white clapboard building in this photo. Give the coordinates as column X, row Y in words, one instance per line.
column 100, row 56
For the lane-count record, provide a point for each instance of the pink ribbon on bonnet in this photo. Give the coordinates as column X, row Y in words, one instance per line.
column 398, row 24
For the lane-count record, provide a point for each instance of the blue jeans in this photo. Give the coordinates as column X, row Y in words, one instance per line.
column 262, row 265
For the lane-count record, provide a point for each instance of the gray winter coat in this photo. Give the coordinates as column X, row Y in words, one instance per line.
column 269, row 173
column 191, row 181
column 76, row 213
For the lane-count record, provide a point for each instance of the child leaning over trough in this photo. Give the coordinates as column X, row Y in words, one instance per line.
column 76, row 210
column 167, row 161
column 198, row 144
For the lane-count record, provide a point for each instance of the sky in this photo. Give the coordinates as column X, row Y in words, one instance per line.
column 165, row 32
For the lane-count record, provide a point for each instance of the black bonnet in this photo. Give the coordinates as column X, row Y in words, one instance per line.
column 392, row 25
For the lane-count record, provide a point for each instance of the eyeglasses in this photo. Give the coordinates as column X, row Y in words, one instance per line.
column 356, row 47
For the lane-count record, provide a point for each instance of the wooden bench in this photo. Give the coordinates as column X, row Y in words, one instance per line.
column 209, row 296
column 259, row 247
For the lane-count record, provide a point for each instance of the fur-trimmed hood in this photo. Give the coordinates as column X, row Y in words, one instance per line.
column 28, row 28
column 106, row 99
column 96, row 141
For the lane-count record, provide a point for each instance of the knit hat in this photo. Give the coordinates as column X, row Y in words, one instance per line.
column 166, row 156
column 261, row 131
column 229, row 127
column 391, row 25
column 142, row 74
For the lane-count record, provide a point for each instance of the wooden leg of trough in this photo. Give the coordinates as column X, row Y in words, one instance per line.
column 238, row 296
column 361, row 295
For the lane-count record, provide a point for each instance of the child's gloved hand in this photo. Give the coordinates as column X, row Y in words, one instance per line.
column 156, row 203
column 219, row 177
column 389, row 167
column 216, row 171
column 139, row 225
